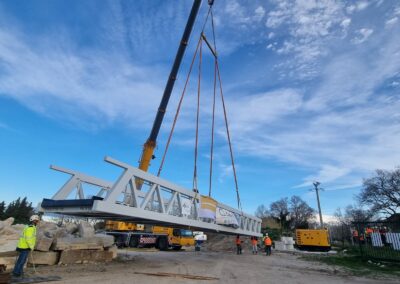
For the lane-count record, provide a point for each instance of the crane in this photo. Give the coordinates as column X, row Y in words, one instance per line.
column 149, row 146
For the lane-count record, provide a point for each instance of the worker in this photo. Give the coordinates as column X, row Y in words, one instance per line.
column 361, row 239
column 368, row 234
column 238, row 245
column 254, row 242
column 355, row 236
column 268, row 244
column 382, row 232
column 197, row 246
column 26, row 244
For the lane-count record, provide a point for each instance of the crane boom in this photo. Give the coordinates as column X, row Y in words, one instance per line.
column 149, row 146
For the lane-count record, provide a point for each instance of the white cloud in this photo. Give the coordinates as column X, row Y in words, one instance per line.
column 89, row 84
column 308, row 27
column 345, row 23
column 259, row 13
column 326, row 174
column 361, row 5
column 391, row 22
column 362, row 35
column 253, row 112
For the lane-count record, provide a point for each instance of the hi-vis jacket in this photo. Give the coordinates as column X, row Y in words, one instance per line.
column 28, row 238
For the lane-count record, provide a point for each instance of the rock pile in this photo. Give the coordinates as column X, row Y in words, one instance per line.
column 66, row 244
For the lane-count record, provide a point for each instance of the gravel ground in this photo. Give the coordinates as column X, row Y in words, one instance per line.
column 221, row 267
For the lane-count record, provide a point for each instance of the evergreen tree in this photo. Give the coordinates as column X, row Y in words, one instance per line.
column 2, row 210
column 20, row 210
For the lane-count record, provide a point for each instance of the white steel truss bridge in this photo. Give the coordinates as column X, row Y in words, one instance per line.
column 157, row 202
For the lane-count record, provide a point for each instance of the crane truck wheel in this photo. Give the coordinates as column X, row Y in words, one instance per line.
column 119, row 241
column 134, row 242
column 162, row 243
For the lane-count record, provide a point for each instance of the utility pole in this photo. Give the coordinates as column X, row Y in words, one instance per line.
column 316, row 184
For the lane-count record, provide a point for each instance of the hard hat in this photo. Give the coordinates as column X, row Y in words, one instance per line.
column 34, row 218
column 266, row 234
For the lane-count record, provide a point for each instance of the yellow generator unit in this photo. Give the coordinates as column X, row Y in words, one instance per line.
column 314, row 240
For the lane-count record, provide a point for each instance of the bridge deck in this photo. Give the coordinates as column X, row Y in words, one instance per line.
column 157, row 202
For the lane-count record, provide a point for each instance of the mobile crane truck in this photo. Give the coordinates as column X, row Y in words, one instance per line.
column 134, row 235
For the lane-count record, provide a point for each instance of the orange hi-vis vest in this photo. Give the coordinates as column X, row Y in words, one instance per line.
column 267, row 241
column 238, row 242
column 254, row 242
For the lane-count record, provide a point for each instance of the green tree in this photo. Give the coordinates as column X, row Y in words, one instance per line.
column 2, row 210
column 280, row 211
column 300, row 213
column 20, row 210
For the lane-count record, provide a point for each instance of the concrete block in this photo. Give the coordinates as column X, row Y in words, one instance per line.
column 85, row 230
column 114, row 251
column 279, row 245
column 9, row 261
column 71, row 228
column 71, row 243
column 8, row 245
column 104, row 240
column 85, row 256
column 43, row 243
column 43, row 258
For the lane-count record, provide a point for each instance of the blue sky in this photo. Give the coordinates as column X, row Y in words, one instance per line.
column 311, row 87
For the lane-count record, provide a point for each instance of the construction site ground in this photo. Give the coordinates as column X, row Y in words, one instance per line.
column 188, row 266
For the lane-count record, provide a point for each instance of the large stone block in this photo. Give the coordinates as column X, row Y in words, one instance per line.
column 84, row 256
column 114, row 251
column 71, row 228
column 43, row 258
column 9, row 261
column 71, row 243
column 8, row 245
column 104, row 240
column 6, row 223
column 85, row 230
column 43, row 243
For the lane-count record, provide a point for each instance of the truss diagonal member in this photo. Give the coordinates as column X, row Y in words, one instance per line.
column 79, row 187
column 72, row 183
column 120, row 186
column 132, row 185
column 171, row 202
column 160, row 199
column 148, row 196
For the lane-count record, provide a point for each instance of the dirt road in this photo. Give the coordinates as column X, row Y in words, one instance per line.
column 221, row 267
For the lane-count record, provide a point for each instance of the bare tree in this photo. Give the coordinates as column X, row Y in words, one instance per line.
column 300, row 212
column 262, row 211
column 357, row 214
column 280, row 210
column 382, row 192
